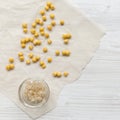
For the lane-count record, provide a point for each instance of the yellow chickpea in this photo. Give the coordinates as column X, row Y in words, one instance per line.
column 30, row 47
column 33, row 31
column 49, row 60
column 57, row 52
column 66, row 41
column 65, row 74
column 27, row 40
column 42, row 33
column 30, row 55
column 64, row 36
column 45, row 50
column 41, row 63
column 34, row 60
column 47, row 35
column 41, row 23
column 31, row 39
column 43, row 66
column 54, row 74
column 52, row 16
column 67, row 53
column 42, row 12
column 23, row 41
column 24, row 25
column 37, row 20
column 23, row 46
column 35, row 43
column 34, row 24
column 37, row 58
column 62, row 22
column 52, row 7
column 8, row 67
column 25, row 30
column 49, row 4
column 39, row 42
column 28, row 62
column 68, row 36
column 63, row 52
column 53, row 23
column 41, row 29
column 46, row 8
column 49, row 27
column 20, row 54
column 49, row 42
column 21, row 58
column 59, row 74
column 12, row 66
column 11, row 60
column 36, row 35
column 44, row 18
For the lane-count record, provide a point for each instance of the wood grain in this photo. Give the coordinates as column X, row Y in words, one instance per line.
column 96, row 95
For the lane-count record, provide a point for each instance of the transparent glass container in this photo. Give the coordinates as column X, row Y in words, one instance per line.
column 34, row 92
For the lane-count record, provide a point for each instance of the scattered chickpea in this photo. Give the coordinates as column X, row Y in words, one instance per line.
column 68, row 36
column 35, row 43
column 23, row 41
column 59, row 74
column 37, row 20
column 54, row 74
column 27, row 40
column 66, row 53
column 52, row 7
column 36, row 35
column 21, row 58
column 66, row 41
column 52, row 16
column 42, row 33
column 49, row 42
column 20, row 54
column 31, row 39
column 53, row 23
column 41, row 63
column 25, row 30
column 41, row 29
column 28, row 62
column 49, row 4
column 33, row 31
column 34, row 60
column 65, row 74
column 45, row 50
column 47, row 35
column 44, row 18
column 38, row 42
column 34, row 24
column 57, row 52
column 42, row 12
column 41, row 23
column 30, row 47
column 8, row 67
column 11, row 60
column 62, row 22
column 49, row 60
column 43, row 66
column 30, row 55
column 49, row 27
column 23, row 45
column 24, row 25
column 46, row 8
column 37, row 58
column 12, row 66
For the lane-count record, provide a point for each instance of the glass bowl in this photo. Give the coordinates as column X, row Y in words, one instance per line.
column 34, row 92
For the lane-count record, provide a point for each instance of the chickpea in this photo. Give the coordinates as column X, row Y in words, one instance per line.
column 12, row 66
column 49, row 4
column 49, row 60
column 41, row 29
column 23, row 45
column 11, row 60
column 42, row 12
column 34, row 24
column 43, row 66
column 23, row 41
column 62, row 22
column 30, row 47
column 28, row 62
column 53, row 23
column 8, row 67
column 30, row 55
column 49, row 42
column 20, row 54
column 57, row 52
column 66, row 41
column 34, row 60
column 24, row 25
column 54, row 74
column 65, row 74
column 46, row 8
column 52, row 7
column 31, row 39
column 59, row 74
column 52, row 16
column 25, row 30
column 41, row 63
column 37, row 58
column 47, row 35
column 41, row 23
column 42, row 33
column 49, row 27
column 37, row 20
column 33, row 31
column 21, row 58
column 44, row 18
column 45, row 50
column 36, row 35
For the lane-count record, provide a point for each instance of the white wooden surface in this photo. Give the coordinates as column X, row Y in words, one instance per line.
column 96, row 95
